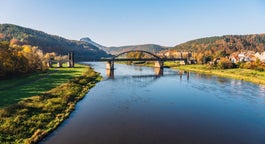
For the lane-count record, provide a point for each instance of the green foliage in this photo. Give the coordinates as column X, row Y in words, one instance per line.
column 224, row 63
column 257, row 65
column 31, row 119
column 14, row 61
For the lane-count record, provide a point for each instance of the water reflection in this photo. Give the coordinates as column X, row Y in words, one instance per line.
column 157, row 72
column 110, row 73
column 145, row 80
column 184, row 73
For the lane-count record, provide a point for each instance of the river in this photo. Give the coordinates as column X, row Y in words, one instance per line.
column 139, row 106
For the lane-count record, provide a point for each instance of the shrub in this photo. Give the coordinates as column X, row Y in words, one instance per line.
column 225, row 63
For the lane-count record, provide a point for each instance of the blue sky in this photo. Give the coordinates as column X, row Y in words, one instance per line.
column 129, row 22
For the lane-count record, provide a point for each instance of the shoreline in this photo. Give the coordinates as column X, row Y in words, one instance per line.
column 236, row 73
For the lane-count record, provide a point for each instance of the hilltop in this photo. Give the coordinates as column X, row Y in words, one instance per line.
column 89, row 41
column 50, row 43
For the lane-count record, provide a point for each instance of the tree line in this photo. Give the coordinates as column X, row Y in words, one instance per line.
column 16, row 60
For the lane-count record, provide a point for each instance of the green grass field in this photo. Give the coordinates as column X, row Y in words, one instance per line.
column 14, row 90
column 41, row 102
column 236, row 73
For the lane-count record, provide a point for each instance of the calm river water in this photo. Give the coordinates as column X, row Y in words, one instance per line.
column 137, row 106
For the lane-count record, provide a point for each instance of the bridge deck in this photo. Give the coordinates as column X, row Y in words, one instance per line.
column 143, row 59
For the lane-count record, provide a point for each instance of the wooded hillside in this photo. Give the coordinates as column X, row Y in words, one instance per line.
column 229, row 43
column 49, row 43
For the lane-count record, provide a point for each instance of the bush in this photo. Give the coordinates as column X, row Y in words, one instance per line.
column 225, row 63
column 257, row 65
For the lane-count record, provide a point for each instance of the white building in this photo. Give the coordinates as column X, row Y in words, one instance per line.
column 260, row 56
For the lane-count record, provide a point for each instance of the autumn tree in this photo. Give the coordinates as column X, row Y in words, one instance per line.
column 224, row 63
column 16, row 60
column 36, row 58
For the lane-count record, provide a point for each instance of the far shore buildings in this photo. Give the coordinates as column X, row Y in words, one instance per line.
column 260, row 56
column 247, row 56
column 244, row 56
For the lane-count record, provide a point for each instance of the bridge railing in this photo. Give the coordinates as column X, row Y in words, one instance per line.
column 136, row 59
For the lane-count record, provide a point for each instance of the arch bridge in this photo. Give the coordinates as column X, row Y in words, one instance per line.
column 159, row 62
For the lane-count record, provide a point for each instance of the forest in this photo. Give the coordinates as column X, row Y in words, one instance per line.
column 218, row 47
column 229, row 43
column 16, row 60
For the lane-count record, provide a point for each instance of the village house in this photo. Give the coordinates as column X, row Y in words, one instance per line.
column 248, row 56
column 260, row 56
column 234, row 57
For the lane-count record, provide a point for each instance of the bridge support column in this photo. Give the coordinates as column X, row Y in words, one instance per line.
column 110, row 65
column 69, row 64
column 159, row 64
column 59, row 64
column 71, row 59
column 49, row 64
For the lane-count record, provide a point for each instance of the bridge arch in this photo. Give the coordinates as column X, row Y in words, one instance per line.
column 158, row 61
column 157, row 57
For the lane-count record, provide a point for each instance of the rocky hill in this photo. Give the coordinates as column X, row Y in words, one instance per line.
column 89, row 41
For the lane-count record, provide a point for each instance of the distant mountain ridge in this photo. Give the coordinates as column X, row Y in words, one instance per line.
column 116, row 50
column 50, row 43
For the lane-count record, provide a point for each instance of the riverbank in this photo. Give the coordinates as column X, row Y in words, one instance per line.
column 236, row 73
column 32, row 118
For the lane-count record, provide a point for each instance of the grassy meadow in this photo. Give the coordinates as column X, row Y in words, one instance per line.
column 37, row 104
column 14, row 90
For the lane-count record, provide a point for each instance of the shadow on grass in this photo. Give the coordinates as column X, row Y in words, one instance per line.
column 37, row 86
